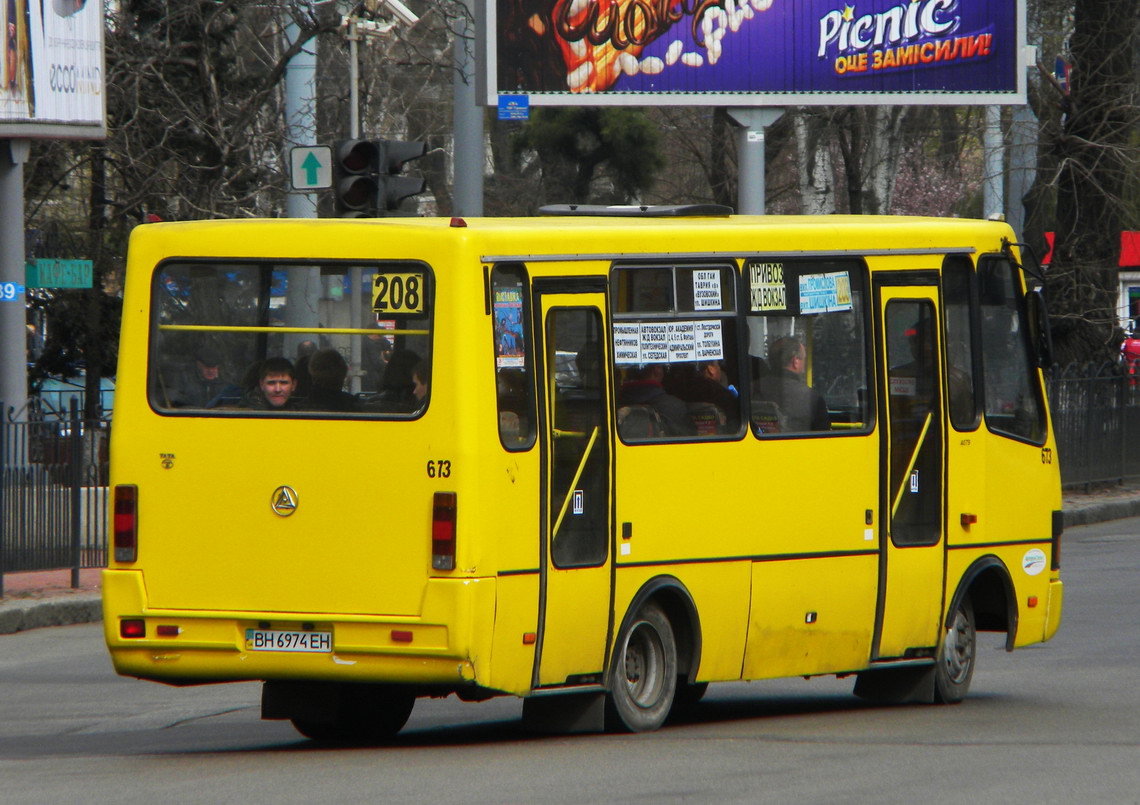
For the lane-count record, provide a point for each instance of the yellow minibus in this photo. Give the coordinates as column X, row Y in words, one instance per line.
column 596, row 459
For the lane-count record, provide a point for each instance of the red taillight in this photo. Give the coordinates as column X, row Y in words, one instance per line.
column 135, row 627
column 443, row 531
column 126, row 523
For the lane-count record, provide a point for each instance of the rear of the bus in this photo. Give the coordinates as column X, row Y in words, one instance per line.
column 279, row 512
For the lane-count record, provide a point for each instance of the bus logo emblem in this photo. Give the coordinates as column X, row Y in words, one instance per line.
column 284, row 501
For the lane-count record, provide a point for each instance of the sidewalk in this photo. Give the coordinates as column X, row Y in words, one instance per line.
column 45, row 598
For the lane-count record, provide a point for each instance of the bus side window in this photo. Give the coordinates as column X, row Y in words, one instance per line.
column 958, row 307
column 1013, row 401
column 514, row 367
column 807, row 345
column 677, row 367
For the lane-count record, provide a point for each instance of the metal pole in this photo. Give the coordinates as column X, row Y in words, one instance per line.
column 13, row 300
column 76, row 489
column 354, row 79
column 303, row 291
column 750, row 156
column 467, row 187
column 992, row 186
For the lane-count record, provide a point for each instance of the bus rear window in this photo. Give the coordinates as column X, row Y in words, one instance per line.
column 291, row 339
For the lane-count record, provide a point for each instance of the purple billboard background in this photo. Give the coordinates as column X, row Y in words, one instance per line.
column 791, row 46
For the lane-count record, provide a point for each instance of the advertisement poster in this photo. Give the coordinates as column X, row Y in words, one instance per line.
column 509, row 345
column 52, row 67
column 697, row 51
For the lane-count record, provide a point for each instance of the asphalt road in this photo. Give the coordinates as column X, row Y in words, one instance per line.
column 1057, row 723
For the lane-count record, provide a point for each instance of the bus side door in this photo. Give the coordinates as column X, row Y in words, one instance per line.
column 912, row 558
column 577, row 487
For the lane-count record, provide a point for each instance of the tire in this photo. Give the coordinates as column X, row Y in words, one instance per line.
column 364, row 714
column 643, row 676
column 957, row 654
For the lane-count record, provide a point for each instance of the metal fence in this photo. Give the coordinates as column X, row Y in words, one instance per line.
column 53, row 493
column 53, row 467
column 1096, row 418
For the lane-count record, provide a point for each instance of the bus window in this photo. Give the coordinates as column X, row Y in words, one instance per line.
column 957, row 274
column 249, row 338
column 675, row 352
column 807, row 343
column 1012, row 394
column 579, row 468
column 514, row 373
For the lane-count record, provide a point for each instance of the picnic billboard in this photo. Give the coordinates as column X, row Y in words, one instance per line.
column 754, row 52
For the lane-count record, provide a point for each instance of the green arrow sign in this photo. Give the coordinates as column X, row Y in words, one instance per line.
column 311, row 167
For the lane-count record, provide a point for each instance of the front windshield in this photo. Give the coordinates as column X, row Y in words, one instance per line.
column 247, row 338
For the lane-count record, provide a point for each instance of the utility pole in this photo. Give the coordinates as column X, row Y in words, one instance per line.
column 303, row 290
column 13, row 300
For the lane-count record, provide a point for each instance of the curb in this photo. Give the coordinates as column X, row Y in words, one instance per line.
column 19, row 615
column 1102, row 512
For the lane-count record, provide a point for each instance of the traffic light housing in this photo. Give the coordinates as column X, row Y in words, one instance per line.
column 392, row 186
column 367, row 178
column 355, row 164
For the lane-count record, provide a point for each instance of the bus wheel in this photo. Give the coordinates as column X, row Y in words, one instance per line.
column 644, row 674
column 363, row 714
column 956, row 655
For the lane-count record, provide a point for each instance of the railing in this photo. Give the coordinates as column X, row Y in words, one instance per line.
column 53, row 493
column 53, row 468
column 1096, row 418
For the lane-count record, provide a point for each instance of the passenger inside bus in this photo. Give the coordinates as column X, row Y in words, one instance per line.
column 420, row 375
column 327, row 371
column 397, row 389
column 275, row 386
column 785, row 402
column 644, row 386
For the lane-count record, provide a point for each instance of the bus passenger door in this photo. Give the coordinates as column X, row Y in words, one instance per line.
column 577, row 490
column 911, row 523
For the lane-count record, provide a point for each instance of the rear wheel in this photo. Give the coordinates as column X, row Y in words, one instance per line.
column 362, row 714
column 956, row 655
column 644, row 673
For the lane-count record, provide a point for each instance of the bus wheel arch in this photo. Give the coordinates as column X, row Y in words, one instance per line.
column 984, row 601
column 988, row 585
column 659, row 637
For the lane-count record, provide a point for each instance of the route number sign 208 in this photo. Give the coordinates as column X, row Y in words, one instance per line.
column 398, row 293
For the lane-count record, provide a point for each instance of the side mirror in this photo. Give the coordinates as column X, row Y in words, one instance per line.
column 1041, row 335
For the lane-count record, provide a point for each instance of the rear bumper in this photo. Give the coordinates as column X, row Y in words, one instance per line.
column 448, row 644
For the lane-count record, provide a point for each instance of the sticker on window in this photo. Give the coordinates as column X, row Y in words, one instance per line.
column 398, row 293
column 766, row 283
column 706, row 289
column 825, row 293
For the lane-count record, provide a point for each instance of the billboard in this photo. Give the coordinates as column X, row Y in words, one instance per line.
column 754, row 52
column 51, row 68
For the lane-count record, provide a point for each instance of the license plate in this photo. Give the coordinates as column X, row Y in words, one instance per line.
column 279, row 640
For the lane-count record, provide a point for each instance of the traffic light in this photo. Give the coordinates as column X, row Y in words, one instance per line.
column 394, row 188
column 366, row 176
column 355, row 164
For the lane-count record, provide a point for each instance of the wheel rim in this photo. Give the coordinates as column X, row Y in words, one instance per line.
column 958, row 648
column 644, row 665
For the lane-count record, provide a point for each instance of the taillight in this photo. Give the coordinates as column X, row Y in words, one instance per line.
column 126, row 523
column 132, row 628
column 443, row 531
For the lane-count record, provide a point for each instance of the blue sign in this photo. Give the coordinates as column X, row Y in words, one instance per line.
column 514, row 107
column 11, row 291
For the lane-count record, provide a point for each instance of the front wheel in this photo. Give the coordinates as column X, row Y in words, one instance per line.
column 956, row 655
column 643, row 677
